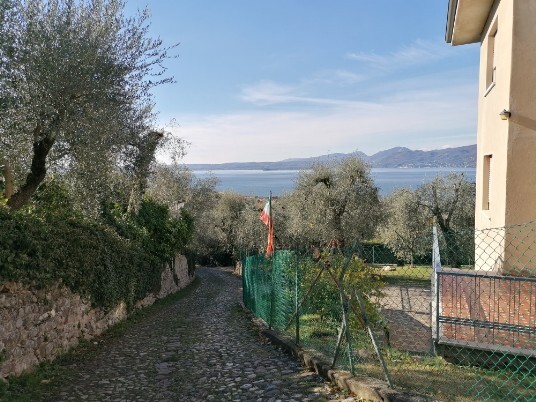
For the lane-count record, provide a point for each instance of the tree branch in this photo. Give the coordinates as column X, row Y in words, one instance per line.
column 8, row 179
column 38, row 170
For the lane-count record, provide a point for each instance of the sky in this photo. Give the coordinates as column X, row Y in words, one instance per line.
column 276, row 79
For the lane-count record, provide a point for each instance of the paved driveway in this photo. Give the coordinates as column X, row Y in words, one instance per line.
column 407, row 312
column 201, row 348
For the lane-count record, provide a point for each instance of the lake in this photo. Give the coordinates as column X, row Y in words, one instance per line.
column 261, row 182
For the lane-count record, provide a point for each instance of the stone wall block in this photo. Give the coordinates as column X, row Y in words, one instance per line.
column 39, row 324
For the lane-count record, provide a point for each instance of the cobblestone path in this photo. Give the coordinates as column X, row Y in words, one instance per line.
column 201, row 348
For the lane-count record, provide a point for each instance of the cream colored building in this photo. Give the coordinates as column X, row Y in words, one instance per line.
column 506, row 145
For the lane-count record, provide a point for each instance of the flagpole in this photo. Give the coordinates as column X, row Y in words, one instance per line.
column 271, row 221
column 267, row 219
column 270, row 231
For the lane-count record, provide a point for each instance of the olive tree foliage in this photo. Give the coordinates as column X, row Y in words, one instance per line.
column 201, row 202
column 450, row 201
column 144, row 159
column 334, row 202
column 217, row 216
column 407, row 228
column 170, row 185
column 75, row 82
column 228, row 215
column 178, row 188
column 251, row 232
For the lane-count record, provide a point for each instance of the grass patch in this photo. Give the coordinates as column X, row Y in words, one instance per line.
column 422, row 373
column 434, row 376
column 431, row 375
column 33, row 386
column 419, row 276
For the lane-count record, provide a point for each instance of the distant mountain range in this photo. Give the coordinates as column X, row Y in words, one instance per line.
column 398, row 157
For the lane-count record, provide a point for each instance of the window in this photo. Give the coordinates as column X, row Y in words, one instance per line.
column 491, row 64
column 486, row 182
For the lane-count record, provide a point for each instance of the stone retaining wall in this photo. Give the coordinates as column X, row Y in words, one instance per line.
column 39, row 324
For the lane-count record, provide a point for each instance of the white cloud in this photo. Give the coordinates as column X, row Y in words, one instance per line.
column 335, row 77
column 267, row 93
column 419, row 52
column 427, row 120
column 353, row 112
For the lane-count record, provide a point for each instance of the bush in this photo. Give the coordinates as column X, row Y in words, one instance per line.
column 325, row 299
column 106, row 263
column 153, row 227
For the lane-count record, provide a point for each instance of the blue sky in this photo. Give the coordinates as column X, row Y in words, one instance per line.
column 276, row 79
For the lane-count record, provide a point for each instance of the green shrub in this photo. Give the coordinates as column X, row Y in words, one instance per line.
column 153, row 227
column 51, row 241
column 166, row 235
column 325, row 300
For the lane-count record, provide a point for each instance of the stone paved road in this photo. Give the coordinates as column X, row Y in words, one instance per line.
column 201, row 348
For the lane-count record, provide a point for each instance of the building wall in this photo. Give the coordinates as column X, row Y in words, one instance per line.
column 521, row 172
column 492, row 135
column 511, row 143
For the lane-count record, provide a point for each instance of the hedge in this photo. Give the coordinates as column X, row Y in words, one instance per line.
column 43, row 245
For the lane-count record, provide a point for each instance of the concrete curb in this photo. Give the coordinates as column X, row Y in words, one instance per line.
column 367, row 388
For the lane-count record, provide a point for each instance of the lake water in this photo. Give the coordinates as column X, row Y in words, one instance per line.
column 260, row 182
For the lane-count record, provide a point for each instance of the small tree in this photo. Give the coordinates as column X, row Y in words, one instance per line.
column 334, row 202
column 143, row 160
column 451, row 202
column 201, row 203
column 407, row 228
column 227, row 218
column 170, row 185
column 251, row 236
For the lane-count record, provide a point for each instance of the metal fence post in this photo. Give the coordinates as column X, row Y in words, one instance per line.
column 296, row 304
column 372, row 337
column 272, row 293
column 245, row 290
column 436, row 266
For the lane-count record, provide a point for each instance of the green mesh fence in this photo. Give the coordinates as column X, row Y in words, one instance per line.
column 458, row 325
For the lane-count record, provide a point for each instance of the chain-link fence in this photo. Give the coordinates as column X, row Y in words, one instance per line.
column 458, row 325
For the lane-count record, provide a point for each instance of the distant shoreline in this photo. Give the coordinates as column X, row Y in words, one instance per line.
column 394, row 169
column 399, row 157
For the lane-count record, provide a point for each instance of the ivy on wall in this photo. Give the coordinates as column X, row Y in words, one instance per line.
column 117, row 258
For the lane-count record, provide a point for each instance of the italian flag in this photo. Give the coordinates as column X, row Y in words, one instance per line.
column 266, row 218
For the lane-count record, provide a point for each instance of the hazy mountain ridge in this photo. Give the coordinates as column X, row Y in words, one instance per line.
column 398, row 157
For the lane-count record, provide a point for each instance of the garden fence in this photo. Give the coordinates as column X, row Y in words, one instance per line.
column 459, row 326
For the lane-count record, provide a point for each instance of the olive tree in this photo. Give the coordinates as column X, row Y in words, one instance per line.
column 227, row 222
column 334, row 202
column 406, row 230
column 170, row 185
column 251, row 232
column 201, row 203
column 75, row 82
column 143, row 157
column 450, row 201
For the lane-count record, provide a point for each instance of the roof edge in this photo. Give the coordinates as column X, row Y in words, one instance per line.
column 451, row 17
